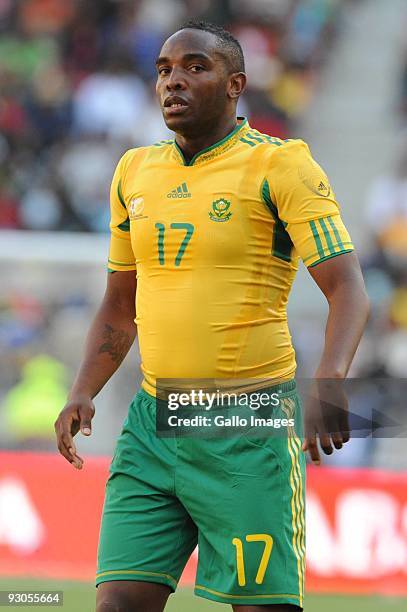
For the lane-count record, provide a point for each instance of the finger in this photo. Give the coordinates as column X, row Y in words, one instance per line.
column 64, row 452
column 309, row 432
column 69, row 448
column 310, row 445
column 75, row 461
column 85, row 416
column 325, row 442
column 66, row 445
column 68, row 442
column 337, row 440
column 345, row 436
column 61, row 445
column 344, row 428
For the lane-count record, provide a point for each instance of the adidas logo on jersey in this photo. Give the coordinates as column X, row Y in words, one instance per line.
column 180, row 192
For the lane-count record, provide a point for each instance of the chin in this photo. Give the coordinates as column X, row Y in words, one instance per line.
column 179, row 124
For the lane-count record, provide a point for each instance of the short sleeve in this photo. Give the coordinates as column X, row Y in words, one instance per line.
column 300, row 193
column 121, row 256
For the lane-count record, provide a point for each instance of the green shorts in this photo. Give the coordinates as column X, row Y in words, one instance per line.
column 239, row 498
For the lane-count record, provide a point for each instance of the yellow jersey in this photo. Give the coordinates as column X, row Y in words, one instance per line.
column 216, row 244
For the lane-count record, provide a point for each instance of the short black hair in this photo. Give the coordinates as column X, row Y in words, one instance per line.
column 229, row 44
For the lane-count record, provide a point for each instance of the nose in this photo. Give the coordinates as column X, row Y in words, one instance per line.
column 175, row 82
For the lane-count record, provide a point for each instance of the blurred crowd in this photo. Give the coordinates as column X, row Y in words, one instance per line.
column 77, row 83
column 385, row 269
column 385, row 266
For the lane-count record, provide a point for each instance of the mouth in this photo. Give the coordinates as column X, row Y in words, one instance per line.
column 175, row 105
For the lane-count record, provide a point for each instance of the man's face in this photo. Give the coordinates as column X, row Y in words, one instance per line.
column 192, row 82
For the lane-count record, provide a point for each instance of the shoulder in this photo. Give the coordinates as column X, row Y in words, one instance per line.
column 290, row 151
column 156, row 150
column 293, row 163
column 133, row 157
column 281, row 152
column 254, row 138
column 291, row 168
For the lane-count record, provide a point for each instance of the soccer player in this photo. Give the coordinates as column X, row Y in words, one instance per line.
column 206, row 233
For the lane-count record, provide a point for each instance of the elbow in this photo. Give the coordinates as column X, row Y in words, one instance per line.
column 361, row 304
column 121, row 308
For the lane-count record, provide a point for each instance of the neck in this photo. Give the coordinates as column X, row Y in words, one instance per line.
column 190, row 145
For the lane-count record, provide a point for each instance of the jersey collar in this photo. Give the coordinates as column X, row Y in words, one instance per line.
column 216, row 149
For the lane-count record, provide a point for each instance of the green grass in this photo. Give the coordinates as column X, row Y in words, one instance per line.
column 80, row 597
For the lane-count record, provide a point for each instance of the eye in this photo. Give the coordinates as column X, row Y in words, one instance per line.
column 163, row 71
column 197, row 68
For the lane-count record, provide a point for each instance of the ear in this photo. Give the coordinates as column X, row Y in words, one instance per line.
column 236, row 85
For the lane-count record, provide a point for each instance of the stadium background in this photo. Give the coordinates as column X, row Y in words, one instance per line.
column 76, row 90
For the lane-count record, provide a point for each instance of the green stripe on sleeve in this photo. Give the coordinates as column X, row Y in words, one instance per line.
column 255, row 137
column 252, row 144
column 328, row 239
column 120, row 193
column 125, row 226
column 274, row 141
column 347, row 246
column 336, row 233
column 282, row 243
column 118, row 263
column 330, row 257
column 317, row 238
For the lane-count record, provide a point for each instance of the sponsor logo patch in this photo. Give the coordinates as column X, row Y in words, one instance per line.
column 136, row 209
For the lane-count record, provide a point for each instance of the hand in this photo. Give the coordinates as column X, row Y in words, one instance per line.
column 76, row 415
column 325, row 416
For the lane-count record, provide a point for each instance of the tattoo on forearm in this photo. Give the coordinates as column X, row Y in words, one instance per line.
column 117, row 343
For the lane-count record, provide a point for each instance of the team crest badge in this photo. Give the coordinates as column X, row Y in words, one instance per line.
column 220, row 210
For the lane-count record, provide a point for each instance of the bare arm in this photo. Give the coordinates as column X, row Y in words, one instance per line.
column 110, row 336
column 341, row 281
column 108, row 341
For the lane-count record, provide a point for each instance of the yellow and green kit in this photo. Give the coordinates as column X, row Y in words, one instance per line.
column 215, row 244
